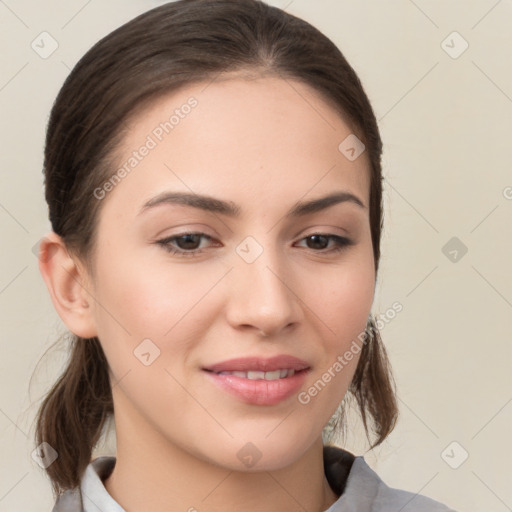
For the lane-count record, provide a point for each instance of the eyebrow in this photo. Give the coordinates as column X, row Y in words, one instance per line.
column 231, row 209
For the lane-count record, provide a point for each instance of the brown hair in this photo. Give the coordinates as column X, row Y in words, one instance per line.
column 168, row 47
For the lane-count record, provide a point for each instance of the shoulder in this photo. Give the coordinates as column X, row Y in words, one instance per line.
column 364, row 486
column 365, row 491
column 91, row 494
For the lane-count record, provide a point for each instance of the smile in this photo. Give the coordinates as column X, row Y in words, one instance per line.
column 258, row 375
column 259, row 387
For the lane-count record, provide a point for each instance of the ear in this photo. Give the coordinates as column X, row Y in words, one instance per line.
column 68, row 285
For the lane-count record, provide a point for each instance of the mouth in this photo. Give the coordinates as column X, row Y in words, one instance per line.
column 282, row 373
column 254, row 368
column 259, row 381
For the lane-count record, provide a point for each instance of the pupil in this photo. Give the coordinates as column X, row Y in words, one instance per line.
column 316, row 238
column 191, row 239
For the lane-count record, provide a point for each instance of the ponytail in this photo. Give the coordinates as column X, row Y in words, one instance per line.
column 72, row 416
column 374, row 388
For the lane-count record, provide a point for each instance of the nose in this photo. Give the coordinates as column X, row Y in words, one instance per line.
column 261, row 296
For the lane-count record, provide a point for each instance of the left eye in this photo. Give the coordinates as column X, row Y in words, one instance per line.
column 323, row 239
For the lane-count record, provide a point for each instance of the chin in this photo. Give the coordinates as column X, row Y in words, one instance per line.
column 261, row 454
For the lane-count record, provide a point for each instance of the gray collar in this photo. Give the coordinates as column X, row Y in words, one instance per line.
column 364, row 491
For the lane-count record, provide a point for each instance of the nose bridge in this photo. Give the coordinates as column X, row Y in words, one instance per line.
column 261, row 293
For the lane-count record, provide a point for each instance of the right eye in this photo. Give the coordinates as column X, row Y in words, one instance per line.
column 184, row 244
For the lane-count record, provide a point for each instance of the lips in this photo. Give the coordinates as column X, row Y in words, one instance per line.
column 259, row 381
column 258, row 364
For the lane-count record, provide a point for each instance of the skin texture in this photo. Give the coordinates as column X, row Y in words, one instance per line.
column 263, row 143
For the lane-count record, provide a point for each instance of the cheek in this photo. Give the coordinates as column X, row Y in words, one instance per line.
column 148, row 299
column 344, row 304
column 343, row 298
column 165, row 303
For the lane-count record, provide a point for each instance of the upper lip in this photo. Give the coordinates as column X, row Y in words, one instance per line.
column 245, row 364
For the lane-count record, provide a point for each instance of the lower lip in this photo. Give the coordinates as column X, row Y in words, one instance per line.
column 260, row 391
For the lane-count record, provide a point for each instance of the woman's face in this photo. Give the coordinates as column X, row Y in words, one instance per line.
column 249, row 281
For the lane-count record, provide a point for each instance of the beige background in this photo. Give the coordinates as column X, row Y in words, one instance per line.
column 446, row 124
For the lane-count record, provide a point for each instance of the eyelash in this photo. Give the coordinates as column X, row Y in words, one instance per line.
column 340, row 244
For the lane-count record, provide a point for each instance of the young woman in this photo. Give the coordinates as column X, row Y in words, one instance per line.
column 212, row 170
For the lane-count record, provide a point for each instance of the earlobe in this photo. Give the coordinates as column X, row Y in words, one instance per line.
column 68, row 286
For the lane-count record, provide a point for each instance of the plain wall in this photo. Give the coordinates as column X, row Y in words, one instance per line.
column 446, row 124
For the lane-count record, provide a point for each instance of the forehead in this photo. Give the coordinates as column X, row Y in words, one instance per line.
column 239, row 138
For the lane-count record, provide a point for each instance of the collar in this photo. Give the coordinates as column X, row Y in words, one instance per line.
column 359, row 488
